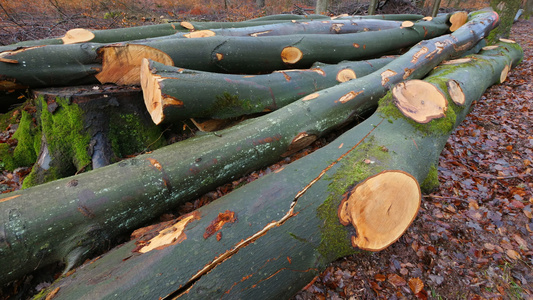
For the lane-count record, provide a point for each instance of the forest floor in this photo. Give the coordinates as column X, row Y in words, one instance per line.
column 473, row 237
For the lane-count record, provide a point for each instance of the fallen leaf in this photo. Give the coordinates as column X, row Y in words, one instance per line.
column 380, row 277
column 416, row 285
column 513, row 254
column 396, row 280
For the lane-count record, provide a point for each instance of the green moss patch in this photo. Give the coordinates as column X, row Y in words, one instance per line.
column 129, row 137
column 444, row 125
column 28, row 139
column 431, row 182
column 353, row 168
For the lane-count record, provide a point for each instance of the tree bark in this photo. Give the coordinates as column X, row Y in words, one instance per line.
column 95, row 207
column 269, row 238
column 321, row 7
column 372, row 6
column 435, row 10
column 173, row 94
column 337, row 26
column 78, row 64
column 121, row 62
column 506, row 10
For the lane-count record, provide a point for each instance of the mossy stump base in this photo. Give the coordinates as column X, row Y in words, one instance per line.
column 88, row 127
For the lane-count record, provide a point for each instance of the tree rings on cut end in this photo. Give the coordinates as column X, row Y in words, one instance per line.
column 381, row 208
column 346, row 75
column 419, row 100
column 407, row 24
column 77, row 35
column 291, row 55
column 456, row 92
column 458, row 19
column 505, row 71
column 187, row 25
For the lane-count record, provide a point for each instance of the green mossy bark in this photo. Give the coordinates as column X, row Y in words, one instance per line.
column 431, row 183
column 28, row 144
column 354, row 168
column 129, row 137
column 67, row 142
column 507, row 10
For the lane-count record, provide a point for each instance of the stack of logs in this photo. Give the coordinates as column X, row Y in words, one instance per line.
column 281, row 82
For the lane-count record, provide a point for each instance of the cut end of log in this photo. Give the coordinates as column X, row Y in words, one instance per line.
column 489, row 47
column 507, row 41
column 291, row 55
column 187, row 25
column 346, row 75
column 77, row 35
column 407, row 24
column 381, row 208
column 419, row 100
column 121, row 63
column 504, row 73
column 428, row 18
column 457, row 61
column 458, row 19
column 200, row 34
column 151, row 92
column 456, row 92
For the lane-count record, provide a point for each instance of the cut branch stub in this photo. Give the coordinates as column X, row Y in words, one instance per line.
column 121, row 63
column 291, row 55
column 456, row 92
column 77, row 35
column 346, row 75
column 458, row 19
column 381, row 208
column 419, row 100
column 504, row 73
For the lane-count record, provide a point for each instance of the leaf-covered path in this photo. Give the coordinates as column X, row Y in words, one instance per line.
column 473, row 237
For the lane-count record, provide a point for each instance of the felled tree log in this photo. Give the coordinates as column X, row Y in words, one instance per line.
column 121, row 62
column 337, row 26
column 89, row 211
column 172, row 93
column 268, row 239
column 78, row 64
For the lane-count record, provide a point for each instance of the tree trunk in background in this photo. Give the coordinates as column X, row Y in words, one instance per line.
column 435, row 9
column 321, row 6
column 507, row 10
column 372, row 6
column 260, row 3
column 268, row 239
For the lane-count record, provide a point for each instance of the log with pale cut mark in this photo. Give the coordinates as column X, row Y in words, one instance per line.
column 173, row 94
column 286, row 225
column 239, row 54
column 420, row 100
